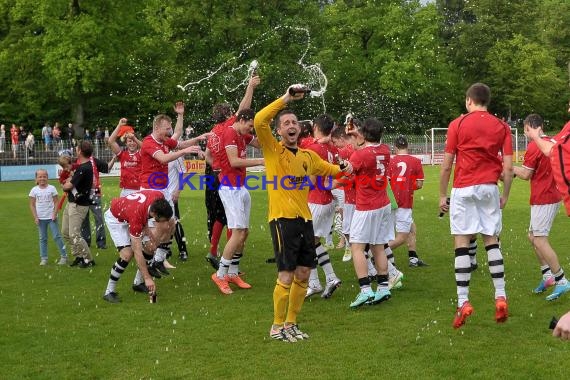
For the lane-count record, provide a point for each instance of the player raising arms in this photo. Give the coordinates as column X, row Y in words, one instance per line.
column 130, row 159
column 289, row 216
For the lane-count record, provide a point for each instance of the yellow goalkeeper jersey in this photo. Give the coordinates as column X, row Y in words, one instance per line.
column 287, row 173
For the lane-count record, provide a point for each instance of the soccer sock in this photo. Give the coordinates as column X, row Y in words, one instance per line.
column 497, row 269
column 297, row 295
column 364, row 283
column 329, row 239
column 180, row 238
column 389, row 253
column 314, row 279
column 215, row 240
column 280, row 299
column 324, row 261
column 560, row 278
column 223, row 268
column 233, row 270
column 473, row 251
column 116, row 272
column 392, row 270
column 138, row 278
column 546, row 273
column 462, row 274
column 382, row 280
column 160, row 254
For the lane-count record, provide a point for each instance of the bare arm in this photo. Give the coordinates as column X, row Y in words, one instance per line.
column 194, row 141
column 248, row 96
column 179, row 109
column 507, row 178
column 165, row 158
column 522, row 172
column 115, row 148
column 444, row 176
column 237, row 162
column 33, row 209
column 535, row 135
column 136, row 245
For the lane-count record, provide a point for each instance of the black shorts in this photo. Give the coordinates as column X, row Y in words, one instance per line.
column 214, row 206
column 293, row 243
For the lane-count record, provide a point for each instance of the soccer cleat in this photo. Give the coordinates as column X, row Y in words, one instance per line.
column 141, row 288
column 282, row 335
column 87, row 264
column 222, row 284
column 396, row 281
column 381, row 295
column 62, row 261
column 544, row 284
column 112, row 297
column 294, row 331
column 159, row 265
column 461, row 314
column 43, row 262
column 76, row 262
column 347, row 255
column 362, row 298
column 183, row 256
column 311, row 290
column 153, row 271
column 559, row 290
column 416, row 262
column 330, row 287
column 213, row 261
column 235, row 279
column 501, row 310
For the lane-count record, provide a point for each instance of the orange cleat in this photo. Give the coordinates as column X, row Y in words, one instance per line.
column 235, row 279
column 461, row 315
column 222, row 284
column 501, row 310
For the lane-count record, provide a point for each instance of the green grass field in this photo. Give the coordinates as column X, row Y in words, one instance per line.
column 55, row 324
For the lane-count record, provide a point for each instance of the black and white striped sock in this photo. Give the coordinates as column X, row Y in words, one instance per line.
column 462, row 274
column 116, row 272
column 497, row 269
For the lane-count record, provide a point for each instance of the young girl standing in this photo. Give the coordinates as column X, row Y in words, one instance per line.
column 43, row 199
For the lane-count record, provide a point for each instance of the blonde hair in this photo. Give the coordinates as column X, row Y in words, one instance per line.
column 64, row 160
column 158, row 119
column 38, row 172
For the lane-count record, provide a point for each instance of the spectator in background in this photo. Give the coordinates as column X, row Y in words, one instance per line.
column 56, row 136
column 2, row 138
column 87, row 136
column 14, row 135
column 106, row 135
column 46, row 135
column 69, row 135
column 99, row 135
column 22, row 136
column 29, row 143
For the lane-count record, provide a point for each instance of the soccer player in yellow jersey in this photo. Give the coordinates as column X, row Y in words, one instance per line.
column 288, row 171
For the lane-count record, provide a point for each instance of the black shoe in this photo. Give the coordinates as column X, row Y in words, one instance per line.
column 102, row 246
column 270, row 260
column 418, row 263
column 213, row 261
column 87, row 264
column 112, row 297
column 183, row 256
column 153, row 272
column 141, row 288
column 76, row 262
column 159, row 265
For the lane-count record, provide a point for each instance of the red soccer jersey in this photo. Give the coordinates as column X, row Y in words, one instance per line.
column 542, row 186
column 405, row 170
column 478, row 139
column 14, row 135
column 214, row 143
column 319, row 194
column 150, row 165
column 229, row 175
column 305, row 142
column 133, row 209
column 130, row 169
column 371, row 165
column 349, row 191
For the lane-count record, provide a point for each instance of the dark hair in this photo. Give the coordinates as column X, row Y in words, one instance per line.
column 306, row 128
column 246, row 114
column 221, row 112
column 338, row 132
column 534, row 121
column 325, row 123
column 372, row 130
column 161, row 209
column 86, row 148
column 480, row 93
column 401, row 142
column 286, row 111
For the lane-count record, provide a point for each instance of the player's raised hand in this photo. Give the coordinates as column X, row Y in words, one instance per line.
column 179, row 108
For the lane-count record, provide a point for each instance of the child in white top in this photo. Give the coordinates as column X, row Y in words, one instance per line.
column 43, row 199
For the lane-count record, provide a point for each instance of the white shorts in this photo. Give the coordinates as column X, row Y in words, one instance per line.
column 237, row 203
column 541, row 218
column 125, row 192
column 347, row 213
column 403, row 220
column 164, row 192
column 373, row 226
column 323, row 216
column 338, row 197
column 119, row 231
column 475, row 209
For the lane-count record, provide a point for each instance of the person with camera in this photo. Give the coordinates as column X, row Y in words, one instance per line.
column 80, row 198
